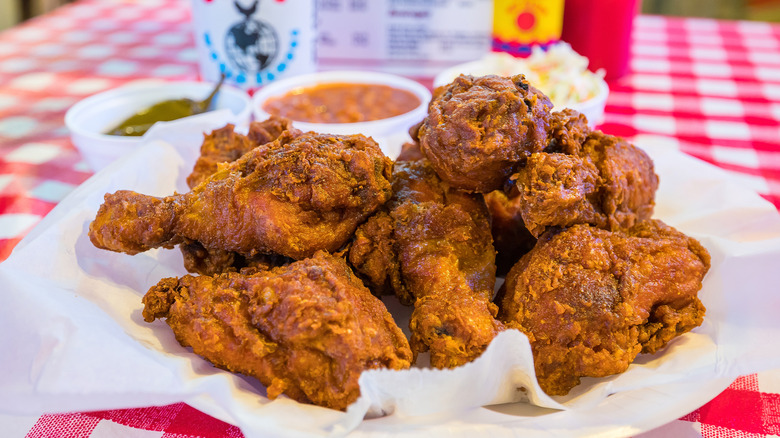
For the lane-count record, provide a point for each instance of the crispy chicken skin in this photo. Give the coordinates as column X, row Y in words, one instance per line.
column 568, row 131
column 590, row 300
column 224, row 145
column 606, row 182
column 433, row 248
column 479, row 129
column 289, row 198
column 374, row 256
column 307, row 330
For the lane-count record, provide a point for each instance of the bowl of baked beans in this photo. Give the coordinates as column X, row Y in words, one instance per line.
column 379, row 105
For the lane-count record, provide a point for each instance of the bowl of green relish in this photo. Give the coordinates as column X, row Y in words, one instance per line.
column 107, row 125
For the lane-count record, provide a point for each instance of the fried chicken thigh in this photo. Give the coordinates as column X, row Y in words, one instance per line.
column 433, row 249
column 605, row 181
column 479, row 129
column 290, row 197
column 590, row 300
column 307, row 330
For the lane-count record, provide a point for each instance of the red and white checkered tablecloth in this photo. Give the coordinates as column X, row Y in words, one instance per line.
column 710, row 87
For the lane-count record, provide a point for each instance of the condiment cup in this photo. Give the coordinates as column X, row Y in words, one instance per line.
column 390, row 133
column 89, row 119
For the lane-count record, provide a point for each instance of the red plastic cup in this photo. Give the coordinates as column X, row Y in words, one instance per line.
column 601, row 31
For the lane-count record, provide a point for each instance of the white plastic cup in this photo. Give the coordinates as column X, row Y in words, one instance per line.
column 254, row 42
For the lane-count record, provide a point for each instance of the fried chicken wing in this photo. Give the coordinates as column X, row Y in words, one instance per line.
column 224, row 145
column 608, row 183
column 287, row 197
column 307, row 330
column 433, row 249
column 479, row 130
column 590, row 300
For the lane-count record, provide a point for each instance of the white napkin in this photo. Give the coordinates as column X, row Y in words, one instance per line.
column 72, row 337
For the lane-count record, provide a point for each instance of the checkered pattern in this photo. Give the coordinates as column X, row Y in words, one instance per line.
column 48, row 64
column 713, row 88
column 710, row 87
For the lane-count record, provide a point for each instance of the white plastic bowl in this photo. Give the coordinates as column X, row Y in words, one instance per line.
column 390, row 133
column 90, row 118
column 592, row 108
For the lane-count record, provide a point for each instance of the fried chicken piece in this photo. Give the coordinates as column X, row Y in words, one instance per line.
column 591, row 300
column 289, row 198
column 447, row 262
column 609, row 183
column 433, row 249
column 307, row 330
column 480, row 129
column 511, row 238
column 224, row 145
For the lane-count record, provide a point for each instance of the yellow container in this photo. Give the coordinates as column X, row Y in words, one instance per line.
column 518, row 25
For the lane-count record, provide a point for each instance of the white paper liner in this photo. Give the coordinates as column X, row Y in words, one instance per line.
column 73, row 338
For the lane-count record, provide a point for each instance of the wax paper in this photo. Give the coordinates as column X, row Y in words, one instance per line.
column 72, row 337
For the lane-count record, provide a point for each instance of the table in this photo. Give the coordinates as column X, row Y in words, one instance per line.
column 710, row 87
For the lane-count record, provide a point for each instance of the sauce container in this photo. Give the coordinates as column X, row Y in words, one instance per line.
column 90, row 118
column 389, row 132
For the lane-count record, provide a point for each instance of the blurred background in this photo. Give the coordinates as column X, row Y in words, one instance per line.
column 761, row 10
column 15, row 11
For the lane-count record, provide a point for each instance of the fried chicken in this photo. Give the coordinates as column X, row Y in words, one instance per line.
column 568, row 131
column 307, row 330
column 290, row 197
column 410, row 151
column 374, row 256
column 447, row 263
column 433, row 248
column 224, row 145
column 480, row 129
column 605, row 181
column 590, row 300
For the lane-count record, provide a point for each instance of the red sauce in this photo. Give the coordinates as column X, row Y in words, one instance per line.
column 342, row 103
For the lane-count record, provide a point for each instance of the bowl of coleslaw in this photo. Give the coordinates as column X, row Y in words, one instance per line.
column 559, row 72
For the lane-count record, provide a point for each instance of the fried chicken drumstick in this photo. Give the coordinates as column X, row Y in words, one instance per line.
column 433, row 248
column 591, row 300
column 307, row 330
column 291, row 197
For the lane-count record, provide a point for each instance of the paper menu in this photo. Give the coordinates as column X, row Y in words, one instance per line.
column 417, row 36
